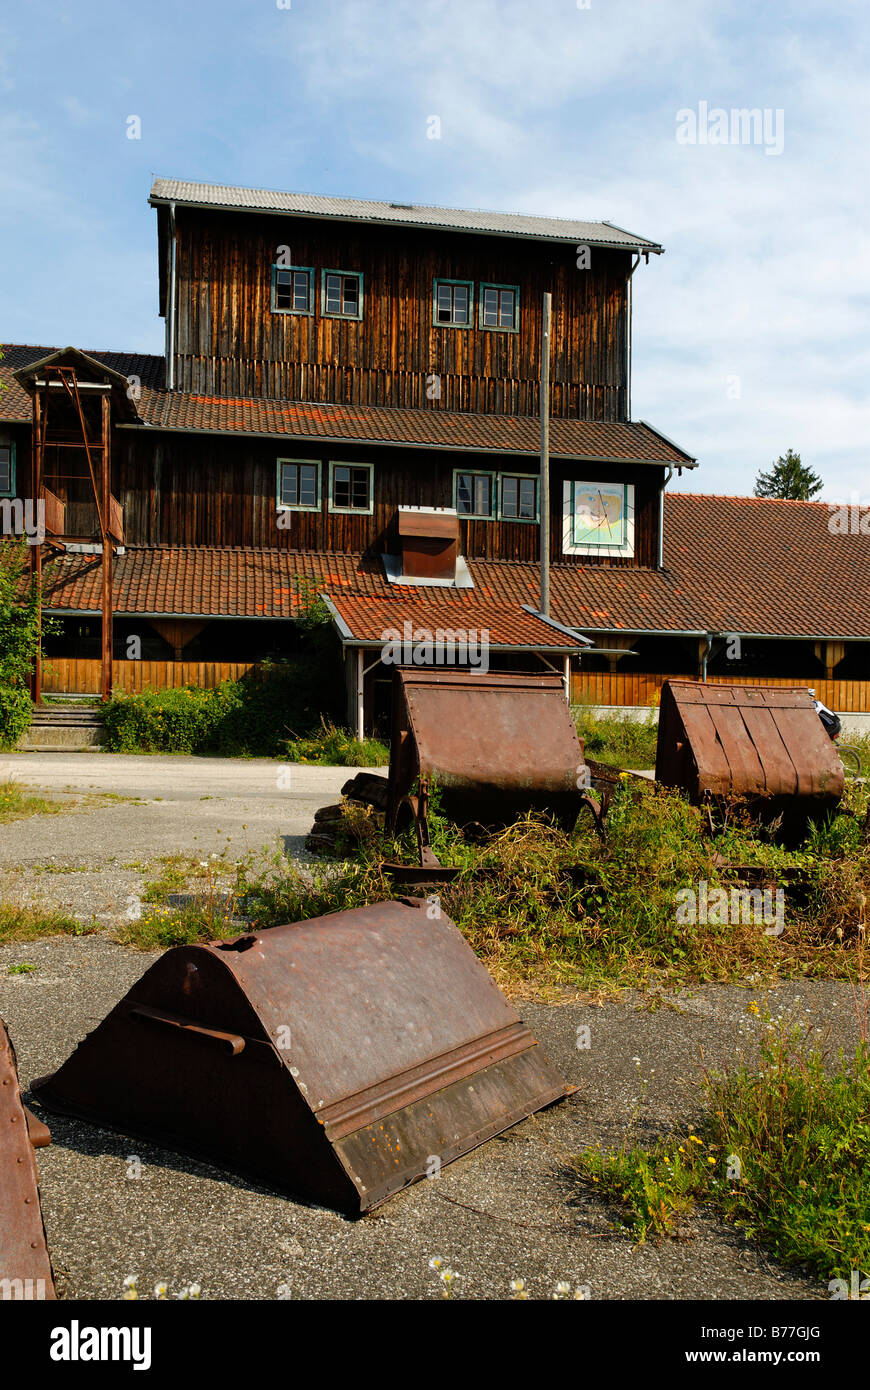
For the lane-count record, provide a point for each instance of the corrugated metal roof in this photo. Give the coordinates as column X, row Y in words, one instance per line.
column 510, row 224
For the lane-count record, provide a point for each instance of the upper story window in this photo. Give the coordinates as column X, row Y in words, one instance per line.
column 452, row 302
column 7, row 469
column 341, row 294
column 292, row 290
column 500, row 307
column 298, row 485
column 350, row 487
column 474, row 494
column 518, row 499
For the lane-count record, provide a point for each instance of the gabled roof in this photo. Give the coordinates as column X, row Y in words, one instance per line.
column 89, row 370
column 507, row 224
column 147, row 368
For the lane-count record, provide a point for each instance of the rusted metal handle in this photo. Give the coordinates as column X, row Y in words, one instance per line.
column 233, row 1041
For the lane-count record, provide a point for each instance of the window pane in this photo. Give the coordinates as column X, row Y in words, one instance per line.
column 528, row 498
column 481, row 494
column 289, row 484
column 445, row 304
column 460, row 304
column 308, row 485
column 5, row 470
column 490, row 307
column 360, row 487
column 300, row 290
column 350, row 302
column 506, row 317
column 509, row 490
column 333, row 294
column 464, row 484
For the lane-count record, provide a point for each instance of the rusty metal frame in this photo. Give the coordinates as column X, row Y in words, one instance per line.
column 25, row 1266
column 66, row 377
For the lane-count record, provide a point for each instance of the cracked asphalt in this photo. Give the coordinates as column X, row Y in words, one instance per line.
column 115, row 1207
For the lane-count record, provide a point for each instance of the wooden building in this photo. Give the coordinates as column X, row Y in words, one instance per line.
column 348, row 401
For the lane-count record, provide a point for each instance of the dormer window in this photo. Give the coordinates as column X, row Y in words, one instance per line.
column 500, row 307
column 7, row 468
column 292, row 290
column 341, row 294
column 452, row 303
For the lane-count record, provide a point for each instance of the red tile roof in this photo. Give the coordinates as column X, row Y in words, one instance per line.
column 196, row 581
column 428, row 612
column 755, row 565
column 733, row 564
column 432, row 428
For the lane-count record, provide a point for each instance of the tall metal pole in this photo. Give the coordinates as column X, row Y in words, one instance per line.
column 545, row 454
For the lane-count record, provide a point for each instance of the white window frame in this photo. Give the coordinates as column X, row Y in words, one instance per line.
column 299, row 506
column 623, row 549
column 351, row 511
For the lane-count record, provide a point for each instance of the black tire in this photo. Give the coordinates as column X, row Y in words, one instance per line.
column 850, row 758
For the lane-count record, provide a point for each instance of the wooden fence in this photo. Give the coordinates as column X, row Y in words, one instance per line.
column 70, row 676
column 627, row 688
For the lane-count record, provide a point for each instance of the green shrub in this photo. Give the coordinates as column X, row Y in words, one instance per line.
column 16, row 711
column 617, row 739
column 782, row 1150
column 19, row 640
column 255, row 715
column 337, row 748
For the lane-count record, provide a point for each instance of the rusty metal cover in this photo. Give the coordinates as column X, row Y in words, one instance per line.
column 25, row 1267
column 497, row 744
column 339, row 1059
column 746, row 740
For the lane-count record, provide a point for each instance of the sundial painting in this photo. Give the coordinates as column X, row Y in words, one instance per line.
column 599, row 516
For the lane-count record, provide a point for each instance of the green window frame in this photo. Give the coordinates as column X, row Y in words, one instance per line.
column 297, row 484
column 518, row 497
column 293, row 283
column 7, row 467
column 329, row 290
column 474, row 489
column 447, row 298
column 346, row 477
column 495, row 312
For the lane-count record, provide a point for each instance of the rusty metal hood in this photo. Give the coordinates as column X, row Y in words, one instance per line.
column 746, row 740
column 339, row 1058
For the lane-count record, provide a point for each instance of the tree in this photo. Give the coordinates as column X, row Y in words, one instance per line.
column 788, row 478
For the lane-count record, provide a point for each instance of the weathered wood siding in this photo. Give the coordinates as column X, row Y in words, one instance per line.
column 179, row 489
column 627, row 688
column 81, row 675
column 229, row 342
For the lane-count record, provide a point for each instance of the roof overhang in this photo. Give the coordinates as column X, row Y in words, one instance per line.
column 604, row 240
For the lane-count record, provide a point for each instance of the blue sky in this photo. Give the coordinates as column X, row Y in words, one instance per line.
column 750, row 333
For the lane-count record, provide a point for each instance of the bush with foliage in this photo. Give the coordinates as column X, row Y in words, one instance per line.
column 19, row 638
column 256, row 715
